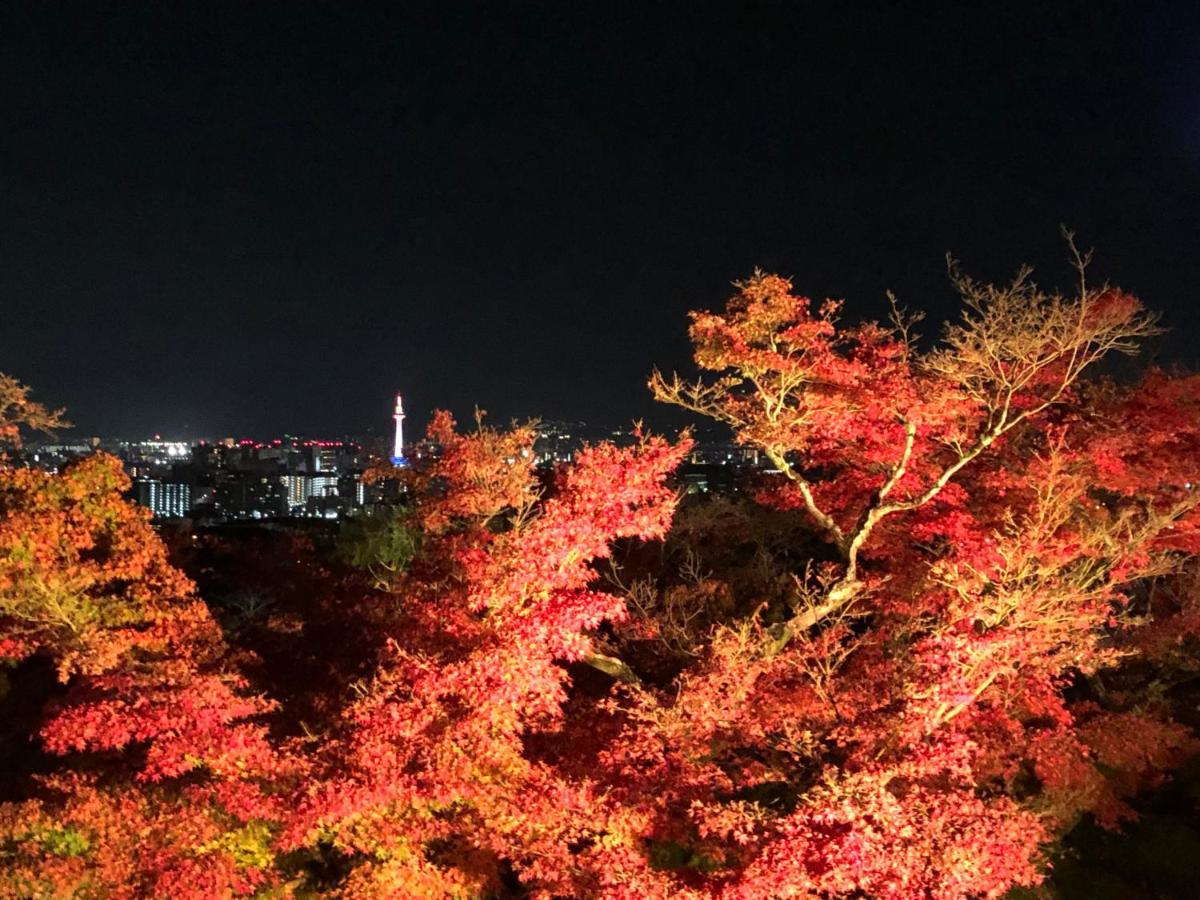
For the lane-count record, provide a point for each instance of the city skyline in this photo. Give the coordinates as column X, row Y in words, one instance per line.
column 212, row 482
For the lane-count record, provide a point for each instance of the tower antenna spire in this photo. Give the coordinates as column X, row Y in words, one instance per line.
column 398, row 458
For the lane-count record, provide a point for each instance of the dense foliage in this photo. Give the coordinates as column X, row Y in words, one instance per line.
column 952, row 621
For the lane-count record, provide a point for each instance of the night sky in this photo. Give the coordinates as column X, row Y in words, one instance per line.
column 250, row 219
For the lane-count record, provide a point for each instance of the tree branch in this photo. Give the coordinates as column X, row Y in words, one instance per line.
column 611, row 665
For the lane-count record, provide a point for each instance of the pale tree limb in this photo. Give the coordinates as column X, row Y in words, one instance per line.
column 611, row 665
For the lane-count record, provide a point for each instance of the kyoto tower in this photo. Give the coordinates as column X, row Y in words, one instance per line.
column 398, row 444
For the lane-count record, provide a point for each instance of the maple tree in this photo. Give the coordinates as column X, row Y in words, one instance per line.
column 86, row 588
column 18, row 412
column 951, row 621
column 428, row 783
column 990, row 520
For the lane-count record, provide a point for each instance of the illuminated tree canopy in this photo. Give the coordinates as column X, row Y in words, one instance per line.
column 943, row 628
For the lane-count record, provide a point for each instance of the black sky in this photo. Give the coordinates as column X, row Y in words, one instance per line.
column 256, row 218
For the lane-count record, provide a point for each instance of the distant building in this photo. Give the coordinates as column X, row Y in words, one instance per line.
column 146, row 454
column 250, row 494
column 164, row 499
column 558, row 442
column 324, row 485
column 52, row 457
column 351, row 490
column 303, row 489
column 724, row 453
column 297, row 490
column 324, row 456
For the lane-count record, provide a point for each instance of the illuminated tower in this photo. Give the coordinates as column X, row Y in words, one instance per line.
column 398, row 445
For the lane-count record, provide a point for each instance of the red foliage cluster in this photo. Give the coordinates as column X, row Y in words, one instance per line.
column 85, row 583
column 432, row 755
